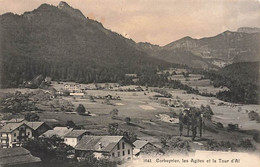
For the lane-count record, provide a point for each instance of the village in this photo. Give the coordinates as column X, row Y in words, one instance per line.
column 119, row 123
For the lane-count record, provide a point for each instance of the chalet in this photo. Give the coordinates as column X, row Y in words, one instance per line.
column 57, row 131
column 72, row 138
column 17, row 156
column 38, row 128
column 143, row 147
column 73, row 88
column 109, row 147
column 14, row 134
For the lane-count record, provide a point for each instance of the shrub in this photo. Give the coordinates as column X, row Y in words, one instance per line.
column 81, row 109
column 114, row 113
column 127, row 120
column 253, row 116
column 32, row 117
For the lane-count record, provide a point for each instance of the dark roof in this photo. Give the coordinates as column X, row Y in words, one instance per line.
column 91, row 143
column 34, row 125
column 75, row 133
column 12, row 126
column 15, row 156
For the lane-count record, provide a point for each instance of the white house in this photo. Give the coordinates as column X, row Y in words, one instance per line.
column 109, row 147
column 72, row 138
column 14, row 134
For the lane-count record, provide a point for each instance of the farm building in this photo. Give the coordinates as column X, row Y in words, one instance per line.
column 72, row 138
column 73, row 88
column 109, row 147
column 38, row 128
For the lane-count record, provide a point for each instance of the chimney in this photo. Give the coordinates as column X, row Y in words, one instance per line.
column 100, row 146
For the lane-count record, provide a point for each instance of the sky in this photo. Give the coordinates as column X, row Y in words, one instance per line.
column 158, row 21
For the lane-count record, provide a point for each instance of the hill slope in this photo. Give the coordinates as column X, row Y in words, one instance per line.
column 62, row 43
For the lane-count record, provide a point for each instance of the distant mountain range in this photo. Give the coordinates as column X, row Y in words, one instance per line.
column 218, row 51
column 62, row 43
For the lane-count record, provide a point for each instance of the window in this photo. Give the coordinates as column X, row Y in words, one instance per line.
column 123, row 153
column 118, row 146
column 113, row 154
column 14, row 134
column 14, row 140
column 123, row 145
column 28, row 133
column 128, row 151
column 118, row 154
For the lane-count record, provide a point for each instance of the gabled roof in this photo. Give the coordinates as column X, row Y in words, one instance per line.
column 140, row 144
column 34, row 125
column 75, row 133
column 57, row 131
column 12, row 126
column 15, row 156
column 92, row 143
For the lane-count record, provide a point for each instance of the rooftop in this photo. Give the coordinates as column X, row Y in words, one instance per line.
column 92, row 143
column 75, row 133
column 57, row 131
column 15, row 156
column 34, row 125
column 140, row 144
column 11, row 127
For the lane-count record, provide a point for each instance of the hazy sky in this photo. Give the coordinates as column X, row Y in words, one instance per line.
column 158, row 21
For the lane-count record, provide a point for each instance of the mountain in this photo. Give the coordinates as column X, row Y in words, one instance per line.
column 62, row 43
column 211, row 52
column 249, row 30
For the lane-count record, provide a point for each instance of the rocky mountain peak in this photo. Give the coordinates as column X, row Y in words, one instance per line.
column 71, row 11
column 63, row 4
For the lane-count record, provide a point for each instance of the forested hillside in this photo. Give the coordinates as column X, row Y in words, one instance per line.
column 241, row 78
column 61, row 43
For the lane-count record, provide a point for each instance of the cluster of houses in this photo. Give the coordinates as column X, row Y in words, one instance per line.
column 17, row 131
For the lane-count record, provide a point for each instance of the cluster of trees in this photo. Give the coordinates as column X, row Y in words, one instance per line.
column 113, row 129
column 16, row 103
column 31, row 117
column 49, row 149
column 240, row 78
column 175, row 145
column 154, row 80
column 68, row 69
column 194, row 119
